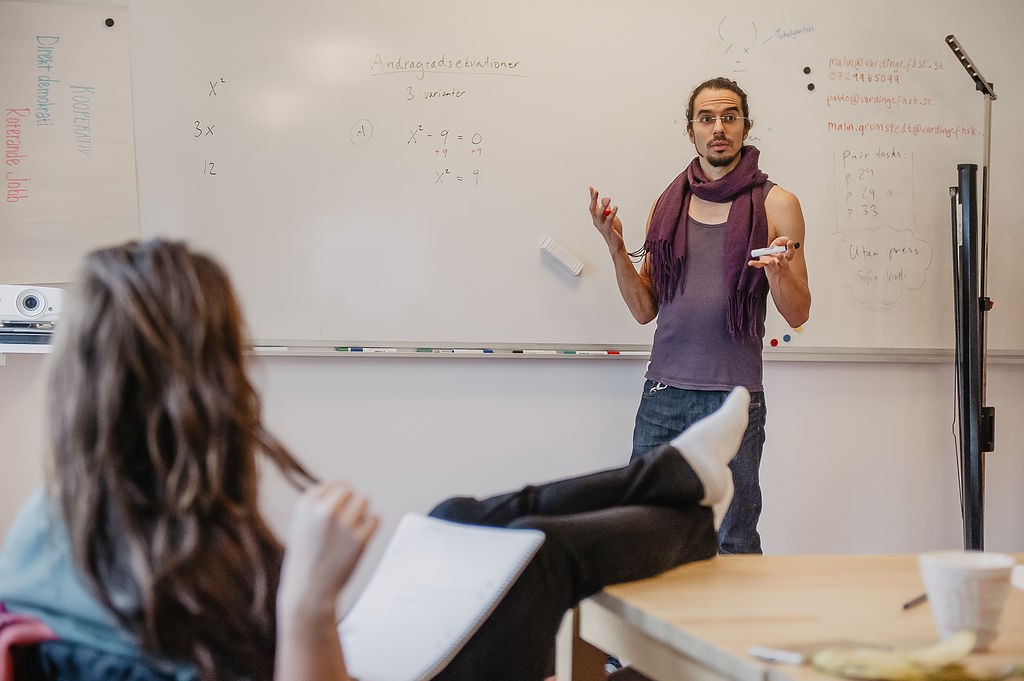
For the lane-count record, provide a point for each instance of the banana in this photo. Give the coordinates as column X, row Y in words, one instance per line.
column 930, row 663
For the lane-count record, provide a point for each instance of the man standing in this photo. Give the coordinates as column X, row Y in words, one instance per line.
column 709, row 295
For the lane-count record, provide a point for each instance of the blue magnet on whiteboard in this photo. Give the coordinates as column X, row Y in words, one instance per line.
column 562, row 256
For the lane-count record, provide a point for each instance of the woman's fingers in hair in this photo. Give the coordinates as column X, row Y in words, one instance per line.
column 349, row 508
column 331, row 526
column 338, row 501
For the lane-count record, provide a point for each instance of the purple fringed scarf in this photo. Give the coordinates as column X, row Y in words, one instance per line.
column 746, row 229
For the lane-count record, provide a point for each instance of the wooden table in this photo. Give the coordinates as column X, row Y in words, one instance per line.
column 696, row 622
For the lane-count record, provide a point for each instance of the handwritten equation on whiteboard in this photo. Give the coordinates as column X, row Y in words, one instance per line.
column 443, row 143
column 203, row 129
column 455, row 155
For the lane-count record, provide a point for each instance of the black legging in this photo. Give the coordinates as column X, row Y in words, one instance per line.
column 604, row 528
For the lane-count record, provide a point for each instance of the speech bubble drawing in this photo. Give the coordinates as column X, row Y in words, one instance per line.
column 879, row 264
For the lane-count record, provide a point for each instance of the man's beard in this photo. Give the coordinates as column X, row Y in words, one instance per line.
column 720, row 161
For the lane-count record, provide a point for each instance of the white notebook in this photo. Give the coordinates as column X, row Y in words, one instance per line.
column 435, row 585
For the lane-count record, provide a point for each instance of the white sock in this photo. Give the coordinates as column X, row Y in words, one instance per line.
column 709, row 445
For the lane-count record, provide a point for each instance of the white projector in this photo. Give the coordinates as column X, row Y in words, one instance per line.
column 24, row 305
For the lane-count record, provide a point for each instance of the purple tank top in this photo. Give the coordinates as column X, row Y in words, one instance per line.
column 692, row 346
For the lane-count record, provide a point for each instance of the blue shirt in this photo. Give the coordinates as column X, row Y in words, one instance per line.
column 38, row 578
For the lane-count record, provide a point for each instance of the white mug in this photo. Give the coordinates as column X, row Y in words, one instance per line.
column 967, row 590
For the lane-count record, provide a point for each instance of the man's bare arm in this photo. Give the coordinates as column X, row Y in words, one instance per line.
column 635, row 287
column 786, row 272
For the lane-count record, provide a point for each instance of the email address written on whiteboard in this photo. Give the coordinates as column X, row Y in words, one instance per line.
column 884, row 84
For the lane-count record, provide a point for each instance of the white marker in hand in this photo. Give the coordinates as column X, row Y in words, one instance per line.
column 758, row 252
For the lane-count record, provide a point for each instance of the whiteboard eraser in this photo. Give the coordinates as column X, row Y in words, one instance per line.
column 562, row 256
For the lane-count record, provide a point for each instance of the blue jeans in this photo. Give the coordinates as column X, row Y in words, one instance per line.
column 666, row 411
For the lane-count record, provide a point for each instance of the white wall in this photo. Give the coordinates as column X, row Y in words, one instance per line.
column 21, row 423
column 860, row 457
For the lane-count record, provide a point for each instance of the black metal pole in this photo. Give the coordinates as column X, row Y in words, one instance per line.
column 986, row 304
column 977, row 422
column 969, row 360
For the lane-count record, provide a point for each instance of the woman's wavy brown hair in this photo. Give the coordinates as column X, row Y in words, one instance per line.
column 155, row 433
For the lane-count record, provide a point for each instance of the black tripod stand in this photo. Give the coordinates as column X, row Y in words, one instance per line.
column 970, row 263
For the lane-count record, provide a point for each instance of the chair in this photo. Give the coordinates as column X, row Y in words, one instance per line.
column 69, row 661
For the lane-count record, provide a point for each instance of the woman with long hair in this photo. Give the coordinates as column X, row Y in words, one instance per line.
column 147, row 543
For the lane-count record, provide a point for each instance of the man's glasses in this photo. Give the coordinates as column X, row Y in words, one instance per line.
column 727, row 120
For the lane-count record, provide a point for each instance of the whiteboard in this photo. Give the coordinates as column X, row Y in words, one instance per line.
column 68, row 182
column 385, row 171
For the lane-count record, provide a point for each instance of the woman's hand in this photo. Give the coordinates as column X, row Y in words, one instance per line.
column 331, row 526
